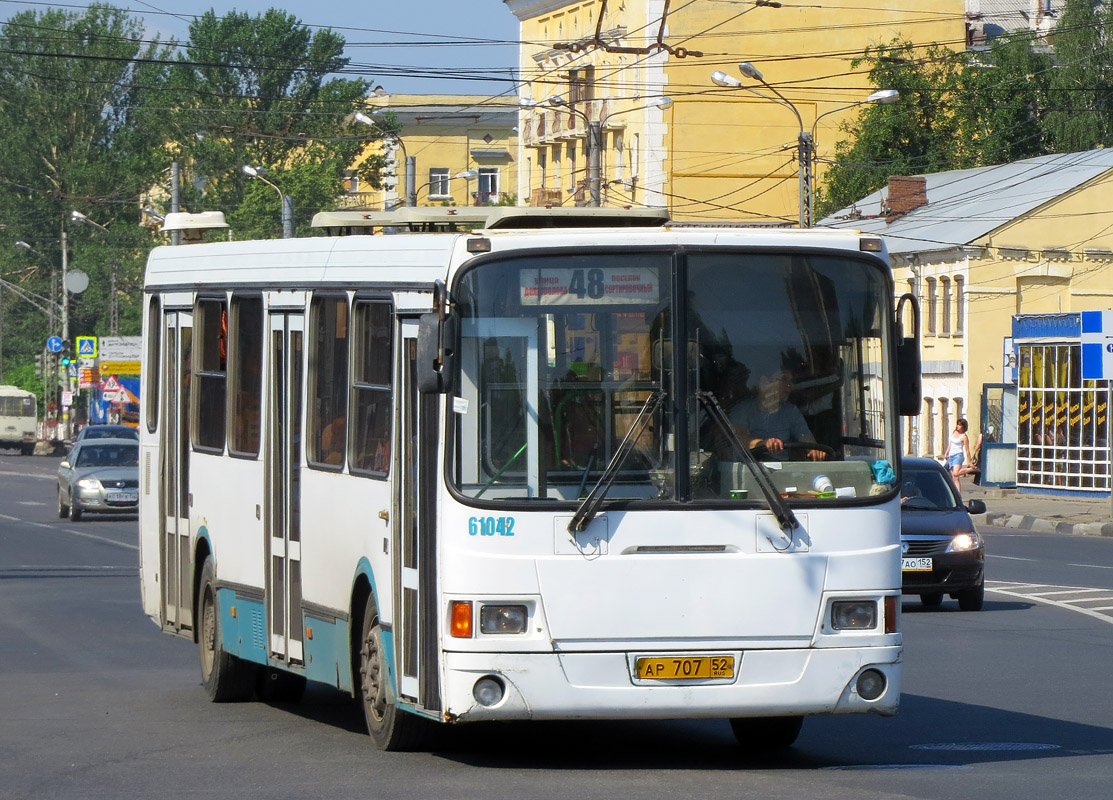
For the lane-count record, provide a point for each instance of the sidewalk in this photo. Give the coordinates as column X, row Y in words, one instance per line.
column 1008, row 508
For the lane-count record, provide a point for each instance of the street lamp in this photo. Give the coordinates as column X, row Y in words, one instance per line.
column 410, row 189
column 594, row 136
column 64, row 306
column 77, row 216
column 286, row 201
column 805, row 139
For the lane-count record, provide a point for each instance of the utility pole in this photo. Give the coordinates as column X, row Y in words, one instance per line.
column 411, row 180
column 594, row 149
column 805, row 153
column 175, row 198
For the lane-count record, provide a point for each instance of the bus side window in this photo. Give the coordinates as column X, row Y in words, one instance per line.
column 245, row 374
column 328, row 359
column 210, row 368
column 372, row 406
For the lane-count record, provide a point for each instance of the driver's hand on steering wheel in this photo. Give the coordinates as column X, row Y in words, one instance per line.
column 816, row 455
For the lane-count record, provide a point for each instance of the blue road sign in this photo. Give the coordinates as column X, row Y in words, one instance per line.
column 87, row 346
column 54, row 344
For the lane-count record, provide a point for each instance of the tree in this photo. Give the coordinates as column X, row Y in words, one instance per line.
column 255, row 91
column 75, row 133
column 1016, row 100
column 1081, row 86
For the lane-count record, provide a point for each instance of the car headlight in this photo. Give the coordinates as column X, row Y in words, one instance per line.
column 88, row 483
column 963, row 542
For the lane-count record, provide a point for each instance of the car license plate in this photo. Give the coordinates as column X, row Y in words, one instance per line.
column 122, row 497
column 915, row 564
column 685, row 667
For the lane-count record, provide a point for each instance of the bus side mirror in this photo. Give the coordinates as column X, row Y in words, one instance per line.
column 908, row 361
column 436, row 357
column 908, row 377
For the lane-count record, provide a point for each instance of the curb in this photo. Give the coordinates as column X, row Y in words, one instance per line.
column 1023, row 522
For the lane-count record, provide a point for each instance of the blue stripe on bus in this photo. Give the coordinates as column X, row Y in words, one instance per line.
column 364, row 568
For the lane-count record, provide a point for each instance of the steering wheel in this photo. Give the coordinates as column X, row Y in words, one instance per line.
column 796, row 450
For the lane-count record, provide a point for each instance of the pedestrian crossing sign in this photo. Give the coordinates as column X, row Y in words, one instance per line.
column 86, row 346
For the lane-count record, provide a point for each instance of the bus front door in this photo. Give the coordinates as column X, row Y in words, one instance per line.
column 174, row 552
column 283, row 488
column 415, row 572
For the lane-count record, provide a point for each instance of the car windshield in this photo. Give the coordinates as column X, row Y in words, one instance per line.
column 926, row 489
column 108, row 455
column 110, row 433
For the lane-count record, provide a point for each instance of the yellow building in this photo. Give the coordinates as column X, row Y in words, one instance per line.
column 450, row 150
column 714, row 153
column 1005, row 260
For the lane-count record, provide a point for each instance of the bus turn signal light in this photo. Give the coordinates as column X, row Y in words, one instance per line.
column 460, row 619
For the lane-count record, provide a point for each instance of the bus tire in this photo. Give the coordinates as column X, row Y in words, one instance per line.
column 766, row 733
column 390, row 727
column 279, row 686
column 63, row 509
column 226, row 679
column 27, row 450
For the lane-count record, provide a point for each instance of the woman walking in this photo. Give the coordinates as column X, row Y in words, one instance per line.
column 959, row 460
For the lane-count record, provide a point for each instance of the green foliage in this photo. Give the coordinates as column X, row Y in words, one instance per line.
column 1016, row 100
column 91, row 118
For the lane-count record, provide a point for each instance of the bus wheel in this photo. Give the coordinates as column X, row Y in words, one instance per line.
column 28, row 450
column 766, row 733
column 226, row 679
column 390, row 727
column 279, row 686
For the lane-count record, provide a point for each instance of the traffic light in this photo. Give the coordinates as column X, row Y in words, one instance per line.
column 67, row 353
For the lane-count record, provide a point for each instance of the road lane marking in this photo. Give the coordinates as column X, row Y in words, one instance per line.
column 1009, row 558
column 82, row 534
column 29, row 503
column 1023, row 591
column 1091, row 566
column 29, row 475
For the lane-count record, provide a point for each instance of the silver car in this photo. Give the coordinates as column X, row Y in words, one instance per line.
column 99, row 476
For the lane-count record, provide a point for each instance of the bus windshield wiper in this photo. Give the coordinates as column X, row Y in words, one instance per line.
column 773, row 498
column 590, row 506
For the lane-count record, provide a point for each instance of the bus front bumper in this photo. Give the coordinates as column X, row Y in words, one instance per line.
column 766, row 683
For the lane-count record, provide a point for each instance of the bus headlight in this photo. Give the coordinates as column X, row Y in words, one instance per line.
column 502, row 619
column 854, row 615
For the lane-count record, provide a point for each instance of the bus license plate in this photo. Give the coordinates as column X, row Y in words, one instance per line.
column 685, row 668
column 915, row 564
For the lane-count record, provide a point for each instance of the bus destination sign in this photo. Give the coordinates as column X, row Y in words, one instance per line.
column 598, row 286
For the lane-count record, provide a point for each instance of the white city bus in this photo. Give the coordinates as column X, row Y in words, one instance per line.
column 18, row 419
column 439, row 470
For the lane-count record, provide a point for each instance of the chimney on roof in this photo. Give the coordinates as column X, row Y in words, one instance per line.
column 906, row 193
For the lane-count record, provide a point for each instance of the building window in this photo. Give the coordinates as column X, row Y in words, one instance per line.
column 351, row 181
column 328, row 381
column 581, row 85
column 931, row 305
column 960, row 311
column 372, row 402
column 246, row 373
column 210, row 364
column 488, row 185
column 438, row 181
column 619, row 156
column 945, row 286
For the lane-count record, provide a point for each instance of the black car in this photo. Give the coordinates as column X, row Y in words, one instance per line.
column 941, row 552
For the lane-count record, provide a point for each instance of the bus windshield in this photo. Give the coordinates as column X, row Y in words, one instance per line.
column 559, row 355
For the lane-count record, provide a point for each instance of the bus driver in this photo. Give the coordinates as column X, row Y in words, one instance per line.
column 769, row 420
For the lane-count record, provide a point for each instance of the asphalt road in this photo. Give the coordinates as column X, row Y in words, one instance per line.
column 1009, row 702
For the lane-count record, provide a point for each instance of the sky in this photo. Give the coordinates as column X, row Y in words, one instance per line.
column 406, row 46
